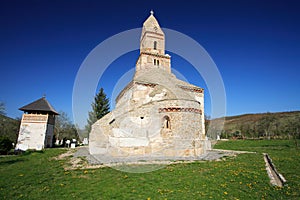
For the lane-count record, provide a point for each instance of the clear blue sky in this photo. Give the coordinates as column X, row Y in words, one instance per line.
column 255, row 45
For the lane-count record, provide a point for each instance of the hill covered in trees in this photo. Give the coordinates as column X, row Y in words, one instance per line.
column 9, row 128
column 264, row 125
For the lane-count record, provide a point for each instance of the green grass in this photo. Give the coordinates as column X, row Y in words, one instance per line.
column 38, row 176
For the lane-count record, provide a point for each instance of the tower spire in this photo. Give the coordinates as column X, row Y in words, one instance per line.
column 152, row 47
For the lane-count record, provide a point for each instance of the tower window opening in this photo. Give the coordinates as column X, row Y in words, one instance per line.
column 166, row 122
column 154, row 61
column 157, row 62
column 155, row 45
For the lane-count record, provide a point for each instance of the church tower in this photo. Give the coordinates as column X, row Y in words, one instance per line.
column 152, row 48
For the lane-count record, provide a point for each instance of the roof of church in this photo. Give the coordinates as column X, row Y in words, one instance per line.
column 40, row 105
column 168, row 81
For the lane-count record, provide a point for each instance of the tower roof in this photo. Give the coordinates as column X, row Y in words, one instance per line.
column 40, row 105
column 151, row 24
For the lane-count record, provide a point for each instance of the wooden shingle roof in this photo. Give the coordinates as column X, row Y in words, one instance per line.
column 40, row 105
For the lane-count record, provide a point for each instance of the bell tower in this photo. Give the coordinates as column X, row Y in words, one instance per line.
column 37, row 125
column 152, row 48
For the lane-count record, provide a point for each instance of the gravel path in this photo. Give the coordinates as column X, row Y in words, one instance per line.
column 212, row 155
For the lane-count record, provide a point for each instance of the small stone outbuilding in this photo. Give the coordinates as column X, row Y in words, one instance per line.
column 37, row 125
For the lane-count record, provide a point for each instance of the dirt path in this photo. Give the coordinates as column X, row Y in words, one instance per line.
column 80, row 158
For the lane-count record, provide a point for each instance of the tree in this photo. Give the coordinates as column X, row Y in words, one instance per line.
column 293, row 129
column 64, row 128
column 9, row 127
column 100, row 107
column 5, row 145
column 2, row 108
column 266, row 123
column 206, row 122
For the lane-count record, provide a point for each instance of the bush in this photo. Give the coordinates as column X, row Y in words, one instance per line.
column 5, row 145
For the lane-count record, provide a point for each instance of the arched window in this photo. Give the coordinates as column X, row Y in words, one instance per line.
column 154, row 61
column 155, row 45
column 166, row 122
column 157, row 62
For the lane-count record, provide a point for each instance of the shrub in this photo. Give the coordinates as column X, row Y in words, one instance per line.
column 5, row 145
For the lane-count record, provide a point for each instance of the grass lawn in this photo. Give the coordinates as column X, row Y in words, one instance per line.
column 37, row 175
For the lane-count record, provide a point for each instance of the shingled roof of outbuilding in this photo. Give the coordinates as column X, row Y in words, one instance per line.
column 41, row 105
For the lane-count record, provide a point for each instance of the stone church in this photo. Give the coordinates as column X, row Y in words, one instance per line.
column 156, row 116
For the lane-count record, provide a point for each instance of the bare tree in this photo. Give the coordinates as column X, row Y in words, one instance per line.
column 293, row 128
column 266, row 123
column 64, row 128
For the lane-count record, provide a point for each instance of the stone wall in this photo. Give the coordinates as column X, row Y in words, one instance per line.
column 35, row 132
column 142, row 131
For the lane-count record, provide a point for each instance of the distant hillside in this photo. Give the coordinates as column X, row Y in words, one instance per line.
column 277, row 125
column 9, row 127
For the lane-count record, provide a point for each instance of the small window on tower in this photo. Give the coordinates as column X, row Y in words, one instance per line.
column 157, row 62
column 154, row 61
column 155, row 45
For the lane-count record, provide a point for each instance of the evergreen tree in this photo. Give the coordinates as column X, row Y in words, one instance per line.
column 100, row 107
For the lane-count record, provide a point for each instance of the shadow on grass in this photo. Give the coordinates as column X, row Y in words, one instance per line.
column 9, row 162
column 17, row 156
column 28, row 152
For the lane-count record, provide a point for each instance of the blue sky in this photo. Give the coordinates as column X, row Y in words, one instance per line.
column 255, row 45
